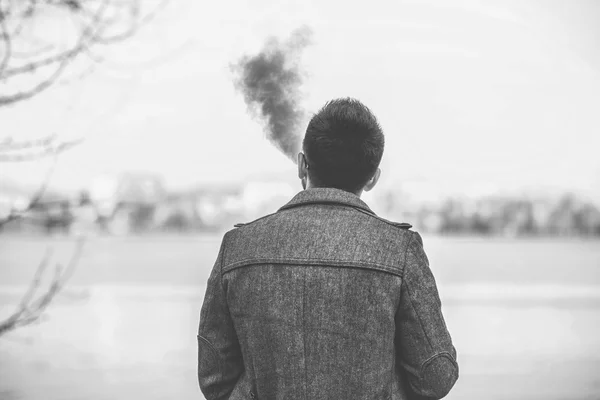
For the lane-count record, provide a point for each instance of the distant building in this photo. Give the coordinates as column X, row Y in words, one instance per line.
column 12, row 198
column 209, row 207
column 85, row 215
column 126, row 203
column 262, row 197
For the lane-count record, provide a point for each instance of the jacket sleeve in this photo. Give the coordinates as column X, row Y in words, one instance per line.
column 424, row 347
column 219, row 356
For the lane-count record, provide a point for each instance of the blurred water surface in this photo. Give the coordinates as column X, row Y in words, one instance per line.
column 524, row 314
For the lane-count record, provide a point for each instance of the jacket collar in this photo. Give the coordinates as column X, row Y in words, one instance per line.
column 327, row 196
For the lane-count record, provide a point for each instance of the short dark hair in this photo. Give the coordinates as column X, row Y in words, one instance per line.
column 343, row 145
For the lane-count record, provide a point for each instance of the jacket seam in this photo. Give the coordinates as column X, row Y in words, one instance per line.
column 418, row 316
column 393, row 372
column 210, row 345
column 304, row 335
column 377, row 217
column 216, row 353
column 444, row 354
column 406, row 254
column 311, row 261
column 327, row 202
column 222, row 256
column 367, row 211
column 242, row 224
column 410, row 297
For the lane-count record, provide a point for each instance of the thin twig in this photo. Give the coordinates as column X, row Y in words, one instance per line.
column 9, row 145
column 35, row 199
column 36, row 279
column 29, row 311
column 82, row 42
column 35, row 65
column 137, row 21
column 7, row 42
column 8, row 154
column 136, row 25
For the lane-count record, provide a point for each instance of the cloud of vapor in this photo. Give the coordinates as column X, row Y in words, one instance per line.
column 270, row 82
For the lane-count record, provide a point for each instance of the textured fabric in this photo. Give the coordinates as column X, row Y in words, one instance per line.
column 323, row 300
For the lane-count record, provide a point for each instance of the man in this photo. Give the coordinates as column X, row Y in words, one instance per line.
column 323, row 299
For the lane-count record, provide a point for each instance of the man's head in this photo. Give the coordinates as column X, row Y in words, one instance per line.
column 342, row 147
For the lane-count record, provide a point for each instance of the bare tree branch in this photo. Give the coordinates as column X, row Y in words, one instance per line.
column 137, row 22
column 9, row 144
column 6, row 40
column 36, row 279
column 103, row 22
column 35, row 65
column 30, row 309
column 34, row 200
column 81, row 43
column 14, row 152
column 30, row 63
column 79, row 76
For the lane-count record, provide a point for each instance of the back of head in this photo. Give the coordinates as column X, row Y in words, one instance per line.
column 343, row 145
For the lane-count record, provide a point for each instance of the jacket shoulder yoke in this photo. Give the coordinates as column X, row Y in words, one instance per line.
column 401, row 225
column 240, row 224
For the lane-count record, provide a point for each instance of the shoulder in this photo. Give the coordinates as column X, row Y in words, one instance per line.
column 415, row 250
column 242, row 224
column 401, row 225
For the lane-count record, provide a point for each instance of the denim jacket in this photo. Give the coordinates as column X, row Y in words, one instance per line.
column 323, row 300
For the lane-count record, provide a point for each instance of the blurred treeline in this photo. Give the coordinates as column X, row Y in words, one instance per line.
column 564, row 215
column 140, row 204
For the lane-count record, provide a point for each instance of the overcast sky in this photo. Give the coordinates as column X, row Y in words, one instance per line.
column 503, row 93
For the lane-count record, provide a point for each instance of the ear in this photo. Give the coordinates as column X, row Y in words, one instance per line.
column 302, row 170
column 373, row 181
column 302, row 166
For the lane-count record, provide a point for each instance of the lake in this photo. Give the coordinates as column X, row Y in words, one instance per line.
column 524, row 316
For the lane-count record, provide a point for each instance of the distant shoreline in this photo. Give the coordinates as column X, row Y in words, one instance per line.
column 217, row 235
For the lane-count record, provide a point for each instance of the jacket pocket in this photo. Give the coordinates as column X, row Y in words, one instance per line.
column 244, row 389
column 209, row 362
